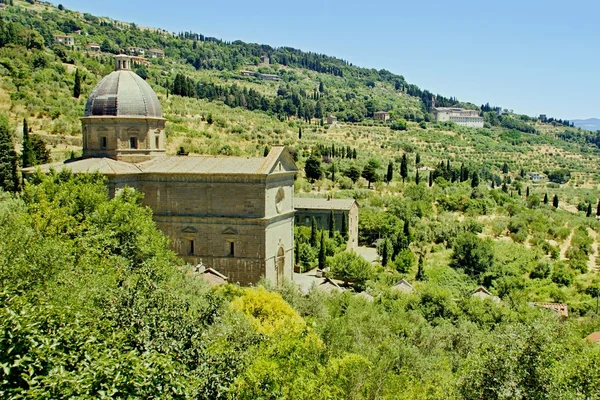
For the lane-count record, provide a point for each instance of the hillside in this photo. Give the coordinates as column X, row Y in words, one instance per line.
column 452, row 208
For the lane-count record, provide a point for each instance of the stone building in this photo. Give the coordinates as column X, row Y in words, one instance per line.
column 232, row 214
column 381, row 116
column 156, row 53
column 65, row 40
column 343, row 210
column 459, row 116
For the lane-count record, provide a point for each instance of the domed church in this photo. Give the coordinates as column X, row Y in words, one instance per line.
column 233, row 214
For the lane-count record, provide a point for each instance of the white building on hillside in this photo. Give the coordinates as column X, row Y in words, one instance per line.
column 459, row 116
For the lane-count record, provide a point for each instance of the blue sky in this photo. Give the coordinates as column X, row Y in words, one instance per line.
column 533, row 56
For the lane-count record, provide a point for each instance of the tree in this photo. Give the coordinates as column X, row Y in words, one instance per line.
column 546, row 198
column 589, row 210
column 417, row 160
column 312, row 169
column 353, row 173
column 344, row 230
column 386, row 252
column 40, row 151
column 333, row 170
column 598, row 209
column 322, row 251
column 404, row 168
column 313, row 233
column 351, row 267
column 299, row 132
column 555, row 201
column 417, row 179
column 430, row 179
column 331, row 224
column 370, row 172
column 399, row 125
column 266, row 151
column 9, row 179
column 475, row 180
column 474, row 255
column 527, row 192
column 28, row 156
column 390, row 172
column 77, row 85
column 142, row 72
column 505, row 168
column 420, row 271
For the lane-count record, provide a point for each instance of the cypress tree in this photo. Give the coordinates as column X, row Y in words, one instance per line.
column 519, row 191
column 390, row 172
column 555, row 201
column 333, row 171
column 9, row 180
column 589, row 210
column 430, row 179
column 354, row 154
column 598, row 209
column 406, row 232
column 385, row 252
column 299, row 133
column 420, row 272
column 417, row 179
column 313, row 232
column 322, row 256
column 331, row 224
column 266, row 151
column 504, row 187
column 403, row 168
column 475, row 180
column 527, row 192
column 28, row 156
column 296, row 252
column 546, row 198
column 493, row 184
column 417, row 160
column 77, row 85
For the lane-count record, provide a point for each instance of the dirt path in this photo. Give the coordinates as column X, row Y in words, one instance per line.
column 565, row 246
column 594, row 253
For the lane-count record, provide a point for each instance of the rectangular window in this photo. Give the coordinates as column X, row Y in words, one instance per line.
column 307, row 220
column 133, row 143
column 157, row 142
column 103, row 142
column 231, row 249
column 190, row 247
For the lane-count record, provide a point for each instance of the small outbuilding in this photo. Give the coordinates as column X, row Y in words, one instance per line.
column 403, row 286
column 345, row 215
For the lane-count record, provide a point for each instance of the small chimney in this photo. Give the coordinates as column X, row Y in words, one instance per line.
column 122, row 62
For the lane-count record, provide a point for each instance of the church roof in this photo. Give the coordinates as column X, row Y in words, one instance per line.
column 123, row 93
column 323, row 204
column 178, row 165
column 106, row 166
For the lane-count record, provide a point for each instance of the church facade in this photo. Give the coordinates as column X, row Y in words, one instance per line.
column 233, row 214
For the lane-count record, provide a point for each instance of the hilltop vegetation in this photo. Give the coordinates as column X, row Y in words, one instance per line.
column 91, row 290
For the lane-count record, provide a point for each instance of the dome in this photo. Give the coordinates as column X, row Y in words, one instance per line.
column 123, row 93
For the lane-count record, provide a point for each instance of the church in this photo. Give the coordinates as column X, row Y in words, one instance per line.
column 232, row 214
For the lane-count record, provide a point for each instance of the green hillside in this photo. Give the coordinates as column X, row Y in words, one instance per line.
column 450, row 208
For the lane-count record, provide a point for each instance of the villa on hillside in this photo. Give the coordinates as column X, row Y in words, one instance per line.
column 460, row 116
column 65, row 40
column 156, row 53
column 381, row 116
